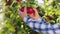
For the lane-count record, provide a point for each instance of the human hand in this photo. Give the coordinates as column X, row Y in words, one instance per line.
column 34, row 15
column 22, row 14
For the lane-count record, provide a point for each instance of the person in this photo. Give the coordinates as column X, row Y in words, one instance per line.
column 36, row 23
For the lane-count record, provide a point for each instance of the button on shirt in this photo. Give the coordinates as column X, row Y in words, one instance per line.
column 40, row 25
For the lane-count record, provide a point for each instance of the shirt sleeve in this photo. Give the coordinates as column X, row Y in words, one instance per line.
column 40, row 25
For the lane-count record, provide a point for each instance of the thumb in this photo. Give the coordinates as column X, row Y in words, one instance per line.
column 36, row 12
column 25, row 10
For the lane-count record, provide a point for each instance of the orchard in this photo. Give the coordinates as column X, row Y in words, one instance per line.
column 13, row 24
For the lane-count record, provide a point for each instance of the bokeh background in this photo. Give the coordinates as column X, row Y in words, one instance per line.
column 11, row 23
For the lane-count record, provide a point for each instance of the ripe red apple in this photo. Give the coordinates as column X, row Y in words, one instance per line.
column 30, row 10
column 22, row 8
column 18, row 0
column 49, row 17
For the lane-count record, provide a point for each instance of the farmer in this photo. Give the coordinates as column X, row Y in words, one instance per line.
column 36, row 23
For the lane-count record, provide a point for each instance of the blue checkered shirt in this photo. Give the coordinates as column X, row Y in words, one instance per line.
column 40, row 25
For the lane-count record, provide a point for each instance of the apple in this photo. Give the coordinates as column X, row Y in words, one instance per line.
column 30, row 10
column 22, row 8
column 18, row 0
column 49, row 17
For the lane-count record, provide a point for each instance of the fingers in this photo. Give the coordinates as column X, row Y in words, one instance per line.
column 19, row 11
column 25, row 10
column 35, row 15
column 22, row 14
column 36, row 12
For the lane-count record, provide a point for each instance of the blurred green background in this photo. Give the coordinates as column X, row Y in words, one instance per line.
column 11, row 23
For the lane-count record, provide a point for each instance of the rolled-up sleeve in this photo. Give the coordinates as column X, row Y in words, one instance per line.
column 40, row 25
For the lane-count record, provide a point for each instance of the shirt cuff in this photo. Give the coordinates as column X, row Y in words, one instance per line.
column 38, row 19
column 27, row 18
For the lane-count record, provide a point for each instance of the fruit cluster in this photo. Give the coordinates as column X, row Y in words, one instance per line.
column 30, row 10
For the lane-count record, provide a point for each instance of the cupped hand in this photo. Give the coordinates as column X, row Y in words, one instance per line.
column 33, row 15
column 22, row 14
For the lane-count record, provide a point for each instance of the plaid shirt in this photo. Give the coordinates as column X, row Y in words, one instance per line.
column 40, row 25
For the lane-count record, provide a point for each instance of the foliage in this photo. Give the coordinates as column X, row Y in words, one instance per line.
column 15, row 25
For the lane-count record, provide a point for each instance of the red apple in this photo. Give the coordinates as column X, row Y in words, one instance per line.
column 22, row 8
column 18, row 0
column 48, row 17
column 53, row 14
column 30, row 10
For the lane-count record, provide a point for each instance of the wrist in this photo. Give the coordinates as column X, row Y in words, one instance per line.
column 37, row 19
column 25, row 18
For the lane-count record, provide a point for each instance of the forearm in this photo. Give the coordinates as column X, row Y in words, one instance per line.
column 32, row 22
column 41, row 25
